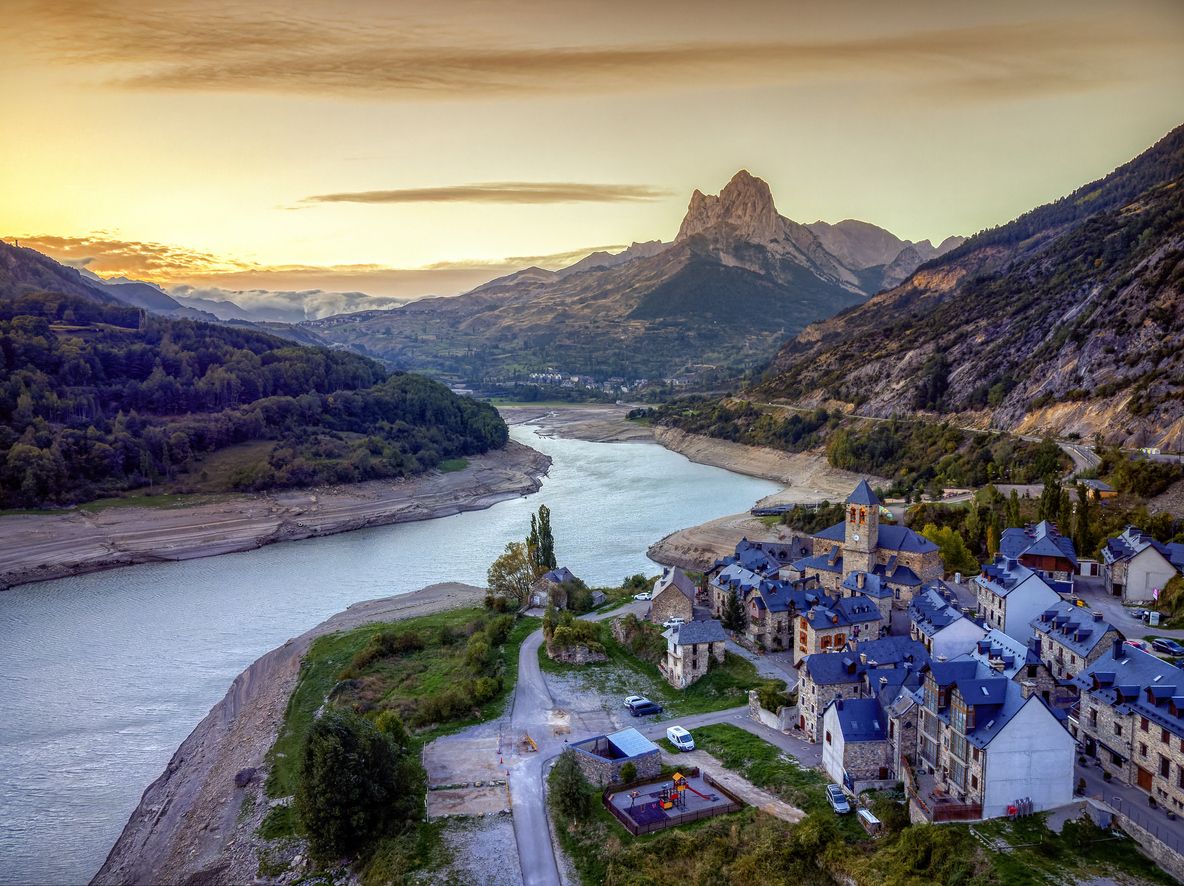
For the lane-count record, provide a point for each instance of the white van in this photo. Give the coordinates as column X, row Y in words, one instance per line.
column 680, row 738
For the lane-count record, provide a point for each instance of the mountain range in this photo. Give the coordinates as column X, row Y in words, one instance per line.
column 1068, row 319
column 737, row 280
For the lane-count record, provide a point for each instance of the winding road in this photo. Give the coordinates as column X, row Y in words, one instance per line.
column 533, row 713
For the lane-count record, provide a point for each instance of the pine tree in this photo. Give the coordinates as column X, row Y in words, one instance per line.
column 992, row 540
column 1012, row 515
column 568, row 788
column 732, row 616
column 1083, row 530
column 546, row 539
column 1065, row 515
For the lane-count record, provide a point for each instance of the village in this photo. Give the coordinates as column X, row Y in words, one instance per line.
column 993, row 696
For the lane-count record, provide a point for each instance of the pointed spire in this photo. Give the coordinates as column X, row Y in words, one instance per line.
column 863, row 495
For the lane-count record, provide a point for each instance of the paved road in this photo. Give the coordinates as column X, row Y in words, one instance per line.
column 1132, row 802
column 1113, row 611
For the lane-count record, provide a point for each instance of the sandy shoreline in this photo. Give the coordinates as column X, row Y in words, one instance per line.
column 188, row 827
column 40, row 547
column 806, row 477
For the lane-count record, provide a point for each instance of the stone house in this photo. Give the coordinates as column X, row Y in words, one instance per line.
column 601, row 758
column 828, row 626
column 1010, row 595
column 874, row 588
column 1099, row 490
column 1135, row 565
column 1068, row 640
column 902, row 558
column 859, row 672
column 938, row 623
column 770, row 605
column 855, row 748
column 690, row 650
column 1131, row 720
column 548, row 589
column 673, row 596
column 983, row 742
column 1045, row 551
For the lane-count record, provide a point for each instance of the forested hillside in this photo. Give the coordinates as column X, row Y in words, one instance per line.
column 97, row 398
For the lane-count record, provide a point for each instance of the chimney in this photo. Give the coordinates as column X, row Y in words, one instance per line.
column 859, row 578
column 839, row 702
column 883, row 682
column 1117, row 650
column 1097, row 616
column 1027, row 688
column 863, row 658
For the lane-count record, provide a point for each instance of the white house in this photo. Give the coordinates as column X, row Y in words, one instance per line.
column 940, row 625
column 1010, row 595
column 855, row 748
column 1030, row 757
column 1135, row 565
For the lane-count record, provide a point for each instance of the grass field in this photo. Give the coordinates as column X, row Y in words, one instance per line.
column 452, row 465
column 724, row 686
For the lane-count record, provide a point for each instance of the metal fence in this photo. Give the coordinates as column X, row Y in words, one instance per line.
column 1152, row 820
column 636, row 829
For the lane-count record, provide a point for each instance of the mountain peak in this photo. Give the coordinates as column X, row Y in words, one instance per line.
column 745, row 204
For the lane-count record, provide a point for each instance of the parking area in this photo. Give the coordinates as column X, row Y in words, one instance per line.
column 466, row 775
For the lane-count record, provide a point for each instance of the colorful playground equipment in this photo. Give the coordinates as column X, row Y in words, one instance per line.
column 681, row 784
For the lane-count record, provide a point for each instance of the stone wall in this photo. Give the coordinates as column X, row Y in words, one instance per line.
column 670, row 603
column 603, row 772
column 863, row 760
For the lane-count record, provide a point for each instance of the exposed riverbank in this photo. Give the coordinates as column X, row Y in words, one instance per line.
column 45, row 546
column 807, row 477
column 191, row 825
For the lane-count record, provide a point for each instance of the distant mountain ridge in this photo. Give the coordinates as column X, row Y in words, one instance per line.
column 1069, row 319
column 736, row 281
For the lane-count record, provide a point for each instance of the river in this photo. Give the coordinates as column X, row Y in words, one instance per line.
column 105, row 674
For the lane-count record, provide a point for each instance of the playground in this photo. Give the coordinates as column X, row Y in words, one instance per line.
column 670, row 801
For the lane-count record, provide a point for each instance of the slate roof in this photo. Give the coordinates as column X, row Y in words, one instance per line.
column 863, row 495
column 995, row 698
column 1097, row 484
column 632, row 743
column 997, row 646
column 872, row 585
column 830, row 668
column 1004, row 576
column 844, row 611
column 931, row 612
column 893, row 650
column 1071, row 627
column 677, row 578
column 888, row 536
column 692, row 632
column 823, row 562
column 860, row 719
column 559, row 576
column 1043, row 539
column 897, row 573
column 1140, row 682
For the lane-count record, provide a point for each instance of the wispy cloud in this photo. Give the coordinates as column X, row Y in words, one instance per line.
column 212, row 47
column 503, row 192
column 111, row 256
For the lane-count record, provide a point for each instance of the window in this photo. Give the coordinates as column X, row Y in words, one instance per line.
column 826, row 642
column 1142, row 749
column 974, row 782
column 1118, row 729
column 974, row 754
column 1165, row 736
column 1115, row 759
column 1165, row 766
column 828, row 736
column 1093, row 721
column 1031, row 670
column 1143, row 724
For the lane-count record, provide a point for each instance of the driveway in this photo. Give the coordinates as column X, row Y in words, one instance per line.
column 1092, row 591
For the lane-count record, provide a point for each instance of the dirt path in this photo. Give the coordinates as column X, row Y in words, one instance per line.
column 39, row 547
column 190, row 826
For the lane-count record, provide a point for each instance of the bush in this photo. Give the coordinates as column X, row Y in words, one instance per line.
column 628, row 773
column 355, row 784
column 384, row 645
column 569, row 791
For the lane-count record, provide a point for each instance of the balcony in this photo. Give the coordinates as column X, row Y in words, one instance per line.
column 933, row 801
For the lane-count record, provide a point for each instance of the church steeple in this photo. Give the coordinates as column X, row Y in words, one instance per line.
column 862, row 529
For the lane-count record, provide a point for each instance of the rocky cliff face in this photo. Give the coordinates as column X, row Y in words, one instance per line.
column 1069, row 319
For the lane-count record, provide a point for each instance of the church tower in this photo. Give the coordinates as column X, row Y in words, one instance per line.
column 862, row 529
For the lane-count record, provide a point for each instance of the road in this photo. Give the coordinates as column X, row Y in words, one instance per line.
column 532, row 713
column 1091, row 590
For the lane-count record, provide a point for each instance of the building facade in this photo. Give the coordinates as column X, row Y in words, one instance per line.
column 1135, row 566
column 690, row 650
column 1010, row 595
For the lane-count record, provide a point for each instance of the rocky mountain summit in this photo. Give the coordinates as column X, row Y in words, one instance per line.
column 1068, row 319
column 738, row 279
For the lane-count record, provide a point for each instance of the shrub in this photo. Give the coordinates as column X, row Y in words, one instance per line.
column 384, row 645
column 569, row 790
column 628, row 773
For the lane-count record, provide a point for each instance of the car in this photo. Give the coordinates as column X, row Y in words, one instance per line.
column 645, row 709
column 837, row 799
column 1139, row 614
column 1166, row 646
column 1138, row 644
column 674, row 622
column 631, row 700
column 680, row 738
column 644, row 595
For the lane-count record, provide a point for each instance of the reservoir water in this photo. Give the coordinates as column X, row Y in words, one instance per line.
column 104, row 675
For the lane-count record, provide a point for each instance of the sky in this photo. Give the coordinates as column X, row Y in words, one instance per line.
column 402, row 149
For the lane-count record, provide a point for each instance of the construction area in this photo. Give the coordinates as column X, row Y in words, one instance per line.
column 466, row 775
column 671, row 801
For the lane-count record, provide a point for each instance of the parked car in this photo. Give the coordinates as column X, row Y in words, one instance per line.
column 1166, row 646
column 645, row 708
column 644, row 595
column 631, row 700
column 837, row 799
column 1138, row 644
column 1140, row 614
column 674, row 622
column 680, row 738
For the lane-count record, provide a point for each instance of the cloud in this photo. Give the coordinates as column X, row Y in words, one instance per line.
column 503, row 192
column 286, row 306
column 324, row 287
column 212, row 47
